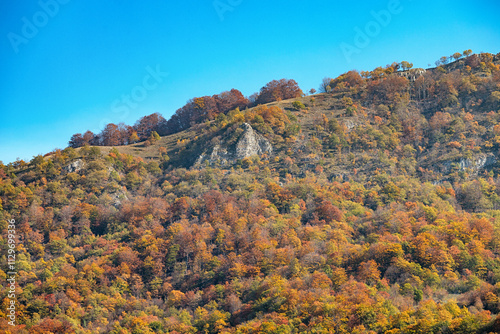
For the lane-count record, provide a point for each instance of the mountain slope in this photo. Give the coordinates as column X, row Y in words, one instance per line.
column 375, row 210
column 446, row 116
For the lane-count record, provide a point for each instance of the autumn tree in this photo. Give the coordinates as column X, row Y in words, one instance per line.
column 134, row 138
column 388, row 89
column 424, row 86
column 79, row 140
column 201, row 109
column 325, row 85
column 457, row 55
column 89, row 138
column 351, row 79
column 111, row 135
column 230, row 100
column 406, row 65
column 76, row 140
column 144, row 126
column 277, row 90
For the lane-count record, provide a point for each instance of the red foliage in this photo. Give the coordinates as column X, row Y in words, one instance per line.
column 148, row 124
column 388, row 88
column 353, row 79
column 279, row 90
column 328, row 212
column 204, row 108
column 52, row 326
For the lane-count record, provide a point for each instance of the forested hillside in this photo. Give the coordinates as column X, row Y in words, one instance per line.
column 371, row 207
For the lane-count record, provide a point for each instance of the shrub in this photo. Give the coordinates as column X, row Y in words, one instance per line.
column 298, row 105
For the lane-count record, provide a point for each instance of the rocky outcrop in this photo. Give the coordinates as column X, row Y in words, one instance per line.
column 413, row 73
column 117, row 198
column 474, row 164
column 219, row 155
column 250, row 143
column 74, row 167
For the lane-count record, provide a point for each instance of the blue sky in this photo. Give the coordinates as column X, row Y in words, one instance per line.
column 68, row 65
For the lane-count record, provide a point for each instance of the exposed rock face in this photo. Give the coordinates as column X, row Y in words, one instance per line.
column 219, row 154
column 413, row 73
column 117, row 198
column 475, row 164
column 250, row 143
column 75, row 166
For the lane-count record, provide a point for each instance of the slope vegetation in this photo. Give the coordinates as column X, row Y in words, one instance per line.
column 376, row 209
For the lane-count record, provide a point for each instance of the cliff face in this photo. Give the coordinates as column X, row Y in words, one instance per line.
column 475, row 164
column 250, row 143
column 74, row 166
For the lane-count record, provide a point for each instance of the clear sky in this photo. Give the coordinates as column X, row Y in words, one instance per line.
column 68, row 66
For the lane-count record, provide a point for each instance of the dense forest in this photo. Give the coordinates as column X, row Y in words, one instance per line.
column 377, row 210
